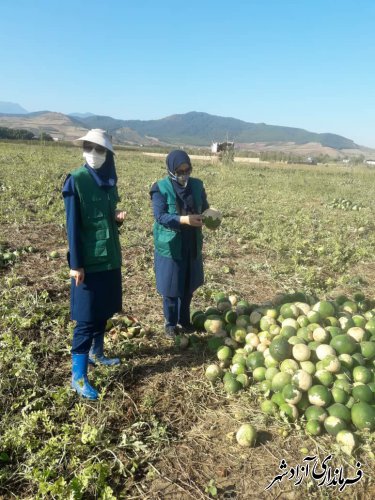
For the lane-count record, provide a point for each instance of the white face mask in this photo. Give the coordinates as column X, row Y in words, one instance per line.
column 93, row 159
column 182, row 179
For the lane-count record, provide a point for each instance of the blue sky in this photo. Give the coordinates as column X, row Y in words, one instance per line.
column 299, row 63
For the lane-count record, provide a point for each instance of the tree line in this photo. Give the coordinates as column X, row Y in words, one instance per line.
column 21, row 134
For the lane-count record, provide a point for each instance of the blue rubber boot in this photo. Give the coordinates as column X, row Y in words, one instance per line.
column 80, row 382
column 96, row 354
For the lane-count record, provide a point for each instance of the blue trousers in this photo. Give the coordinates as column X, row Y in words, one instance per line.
column 177, row 310
column 84, row 333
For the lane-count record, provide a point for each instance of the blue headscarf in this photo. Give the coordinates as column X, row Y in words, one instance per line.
column 176, row 158
column 105, row 176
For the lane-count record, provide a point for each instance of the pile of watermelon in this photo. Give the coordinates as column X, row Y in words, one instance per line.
column 312, row 361
column 345, row 204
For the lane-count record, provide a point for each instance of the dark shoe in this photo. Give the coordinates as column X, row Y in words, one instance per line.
column 170, row 332
column 186, row 328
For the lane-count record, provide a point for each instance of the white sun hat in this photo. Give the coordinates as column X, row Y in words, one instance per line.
column 98, row 136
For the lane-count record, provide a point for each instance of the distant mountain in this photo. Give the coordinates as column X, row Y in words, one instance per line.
column 190, row 129
column 81, row 115
column 12, row 108
column 104, row 122
column 57, row 125
column 200, row 129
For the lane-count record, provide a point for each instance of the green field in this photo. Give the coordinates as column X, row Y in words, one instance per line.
column 160, row 429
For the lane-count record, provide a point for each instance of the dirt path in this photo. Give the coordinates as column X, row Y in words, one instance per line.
column 211, row 158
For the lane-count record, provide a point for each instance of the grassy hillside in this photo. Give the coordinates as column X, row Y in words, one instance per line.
column 56, row 124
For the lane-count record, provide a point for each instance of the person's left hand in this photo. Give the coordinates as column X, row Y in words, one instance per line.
column 120, row 215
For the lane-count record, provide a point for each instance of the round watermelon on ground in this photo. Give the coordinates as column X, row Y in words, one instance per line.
column 243, row 379
column 269, row 407
column 213, row 324
column 316, row 413
column 246, row 435
column 339, row 395
column 370, row 326
column 213, row 372
column 324, row 308
column 259, row 373
column 280, row 380
column 198, row 320
column 278, row 398
column 334, row 425
column 350, row 307
column 231, row 386
column 301, row 352
column 280, row 349
column 362, row 374
column 362, row 392
column 224, row 353
column 243, row 307
column 313, row 428
column 302, row 380
column 289, row 311
column 224, row 304
column 363, row 416
column 368, row 349
column 289, row 412
column 344, row 344
column 289, row 366
column 319, row 395
column 346, row 441
column 230, row 317
column 340, row 411
column 254, row 360
column 291, row 394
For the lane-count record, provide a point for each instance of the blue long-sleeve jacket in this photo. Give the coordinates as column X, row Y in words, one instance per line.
column 72, row 210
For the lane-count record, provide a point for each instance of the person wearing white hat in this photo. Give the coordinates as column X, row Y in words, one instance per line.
column 94, row 257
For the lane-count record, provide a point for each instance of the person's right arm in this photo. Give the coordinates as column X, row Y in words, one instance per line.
column 71, row 202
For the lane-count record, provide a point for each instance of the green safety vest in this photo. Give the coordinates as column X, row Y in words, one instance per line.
column 168, row 242
column 99, row 235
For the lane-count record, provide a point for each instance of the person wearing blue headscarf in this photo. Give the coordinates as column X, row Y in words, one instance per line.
column 94, row 257
column 178, row 201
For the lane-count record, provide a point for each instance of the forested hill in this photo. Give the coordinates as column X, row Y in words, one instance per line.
column 200, row 129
